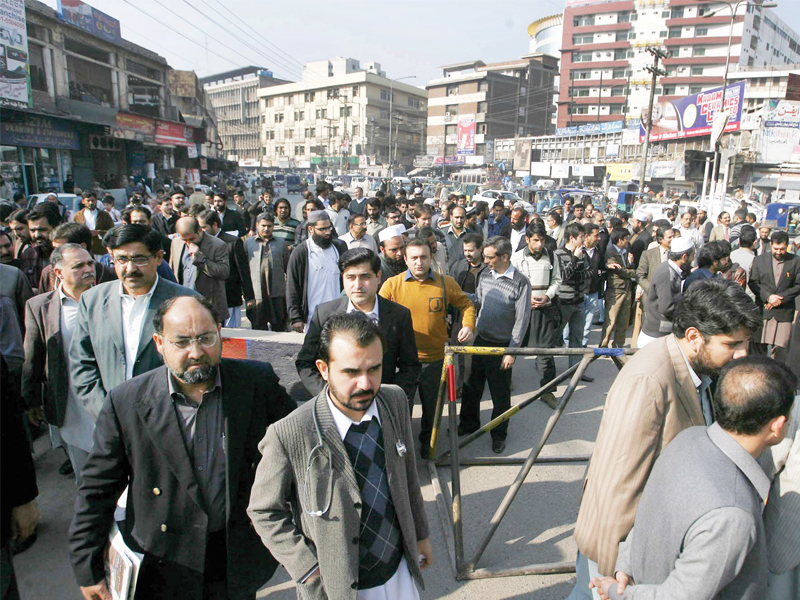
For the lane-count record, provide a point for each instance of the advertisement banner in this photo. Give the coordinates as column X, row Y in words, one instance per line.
column 591, row 128
column 191, row 151
column 424, row 160
column 583, row 170
column 90, row 19
column 619, row 171
column 14, row 86
column 135, row 127
column 694, row 115
column 540, row 169
column 173, row 134
column 559, row 171
column 37, row 131
column 781, row 131
column 466, row 135
column 450, row 160
column 204, row 164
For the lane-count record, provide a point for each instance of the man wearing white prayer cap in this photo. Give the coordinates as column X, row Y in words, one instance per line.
column 640, row 240
column 392, row 241
column 665, row 291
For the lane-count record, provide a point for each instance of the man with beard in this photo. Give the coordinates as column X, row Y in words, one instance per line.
column 664, row 291
column 392, row 242
column 711, row 261
column 183, row 438
column 49, row 327
column 285, row 225
column 514, row 230
column 764, row 231
column 774, row 281
column 662, row 390
column 268, row 258
column 7, row 250
column 98, row 221
column 454, row 235
column 41, row 222
column 313, row 276
column 72, row 233
column 231, row 219
column 113, row 330
column 18, row 224
column 344, row 462
column 375, row 222
column 164, row 221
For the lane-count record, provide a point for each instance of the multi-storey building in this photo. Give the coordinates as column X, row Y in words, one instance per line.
column 191, row 103
column 234, row 96
column 546, row 34
column 513, row 98
column 604, row 52
column 339, row 116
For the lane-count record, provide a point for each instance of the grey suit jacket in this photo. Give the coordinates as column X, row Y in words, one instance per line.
column 661, row 301
column 44, row 374
column 98, row 345
column 284, row 489
column 213, row 269
column 279, row 260
column 648, row 264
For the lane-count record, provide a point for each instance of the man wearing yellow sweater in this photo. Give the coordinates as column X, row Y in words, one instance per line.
column 421, row 291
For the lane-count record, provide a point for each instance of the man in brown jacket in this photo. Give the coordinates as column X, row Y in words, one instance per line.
column 98, row 221
column 662, row 390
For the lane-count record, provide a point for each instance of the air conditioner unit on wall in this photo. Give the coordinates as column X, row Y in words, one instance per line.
column 104, row 142
column 448, row 116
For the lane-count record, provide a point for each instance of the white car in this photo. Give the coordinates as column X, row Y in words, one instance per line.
column 490, row 196
column 71, row 201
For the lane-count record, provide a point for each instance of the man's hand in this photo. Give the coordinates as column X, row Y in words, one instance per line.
column 775, row 300
column 99, row 591
column 298, row 326
column 193, row 248
column 508, row 362
column 613, row 266
column 578, row 252
column 250, row 304
column 538, row 301
column 35, row 415
column 602, row 584
column 465, row 335
column 24, row 519
column 623, row 579
column 424, row 548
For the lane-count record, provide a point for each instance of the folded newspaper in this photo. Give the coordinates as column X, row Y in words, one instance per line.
column 122, row 566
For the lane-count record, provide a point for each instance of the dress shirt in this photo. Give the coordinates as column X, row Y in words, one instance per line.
column 188, row 268
column 202, row 426
column 516, row 236
column 374, row 314
column 693, row 234
column 509, row 273
column 78, row 426
column 400, row 585
column 322, row 276
column 90, row 218
column 133, row 312
column 701, row 386
column 366, row 241
column 623, row 253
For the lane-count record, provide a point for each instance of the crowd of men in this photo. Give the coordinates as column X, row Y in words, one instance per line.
column 112, row 337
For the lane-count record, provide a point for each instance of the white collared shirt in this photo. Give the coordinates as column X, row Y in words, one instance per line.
column 322, row 276
column 509, row 273
column 516, row 236
column 343, row 422
column 90, row 218
column 374, row 314
column 133, row 312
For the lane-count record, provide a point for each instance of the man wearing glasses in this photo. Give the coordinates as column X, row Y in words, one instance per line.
column 184, row 439
column 113, row 338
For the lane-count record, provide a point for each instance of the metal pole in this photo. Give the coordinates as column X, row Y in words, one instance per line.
column 455, row 468
column 704, row 195
column 391, row 157
column 515, row 487
column 437, row 415
column 657, row 54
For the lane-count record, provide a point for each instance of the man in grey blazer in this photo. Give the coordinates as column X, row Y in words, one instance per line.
column 708, row 540
column 201, row 262
column 336, row 498
column 49, row 327
column 113, row 339
column 267, row 257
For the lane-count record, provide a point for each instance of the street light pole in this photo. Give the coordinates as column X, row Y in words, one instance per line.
column 391, row 106
column 658, row 54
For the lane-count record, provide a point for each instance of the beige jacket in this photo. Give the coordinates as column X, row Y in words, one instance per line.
column 652, row 400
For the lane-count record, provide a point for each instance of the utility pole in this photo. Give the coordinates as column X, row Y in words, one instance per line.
column 658, row 54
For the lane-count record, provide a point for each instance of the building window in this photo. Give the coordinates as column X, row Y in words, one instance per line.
column 669, row 90
column 452, row 109
column 334, row 131
column 289, row 100
column 355, row 130
column 578, row 92
column 450, row 129
column 89, row 82
column 622, row 54
column 615, row 109
column 618, row 90
column 144, row 97
column 482, row 128
column 333, row 93
column 482, row 107
column 308, row 96
column 299, row 115
column 36, row 67
column 581, row 57
column 674, row 32
column 452, row 90
column 626, row 17
column 322, row 113
column 753, row 43
column 355, row 91
column 384, row 113
column 580, row 110
column 702, row 10
column 620, row 73
column 288, row 134
column 298, row 150
column 85, row 50
column 279, row 150
column 698, row 51
column 676, row 13
column 700, row 31
column 414, row 102
column 621, row 36
column 697, row 70
column 279, row 117
column 583, row 21
column 483, row 86
column 344, row 111
column 581, row 38
column 310, row 132
column 695, row 89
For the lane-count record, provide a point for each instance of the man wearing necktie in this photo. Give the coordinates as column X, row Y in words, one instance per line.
column 661, row 390
column 336, row 497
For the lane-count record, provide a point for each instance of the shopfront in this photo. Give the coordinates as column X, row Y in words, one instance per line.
column 35, row 151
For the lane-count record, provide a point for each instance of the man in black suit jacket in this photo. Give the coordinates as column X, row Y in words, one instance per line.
column 238, row 283
column 184, row 438
column 774, row 281
column 361, row 275
column 231, row 219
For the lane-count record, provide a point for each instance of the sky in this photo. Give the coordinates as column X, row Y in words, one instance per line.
column 407, row 37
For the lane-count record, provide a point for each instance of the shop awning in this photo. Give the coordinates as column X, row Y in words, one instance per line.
column 787, row 183
column 88, row 112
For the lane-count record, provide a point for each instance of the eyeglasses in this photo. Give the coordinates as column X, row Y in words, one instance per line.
column 207, row 340
column 138, row 260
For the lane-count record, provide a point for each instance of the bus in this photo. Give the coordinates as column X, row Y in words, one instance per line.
column 470, row 177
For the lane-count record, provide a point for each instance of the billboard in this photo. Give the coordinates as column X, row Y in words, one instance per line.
column 38, row 131
column 780, row 131
column 174, row 134
column 466, row 135
column 694, row 115
column 14, row 87
column 90, row 19
column 591, row 128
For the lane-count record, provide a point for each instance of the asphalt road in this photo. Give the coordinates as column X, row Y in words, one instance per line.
column 538, row 527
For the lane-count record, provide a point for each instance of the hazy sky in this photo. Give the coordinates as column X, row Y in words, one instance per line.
column 407, row 37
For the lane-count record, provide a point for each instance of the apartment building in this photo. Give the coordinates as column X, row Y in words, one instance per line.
column 234, row 96
column 498, row 100
column 339, row 116
column 604, row 52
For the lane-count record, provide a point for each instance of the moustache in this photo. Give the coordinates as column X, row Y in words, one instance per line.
column 89, row 276
column 363, row 394
column 134, row 275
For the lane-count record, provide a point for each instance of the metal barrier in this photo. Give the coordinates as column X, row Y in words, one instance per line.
column 450, row 509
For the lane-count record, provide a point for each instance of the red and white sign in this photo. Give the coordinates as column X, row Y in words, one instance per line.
column 173, row 134
column 466, row 135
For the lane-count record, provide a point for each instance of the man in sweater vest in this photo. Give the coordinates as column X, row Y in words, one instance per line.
column 699, row 532
column 504, row 297
column 336, row 497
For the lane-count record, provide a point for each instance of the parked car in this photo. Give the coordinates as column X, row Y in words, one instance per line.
column 70, row 201
column 490, row 196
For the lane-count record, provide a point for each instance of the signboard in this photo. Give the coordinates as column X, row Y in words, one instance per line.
column 173, row 134
column 37, row 131
column 424, row 160
column 540, row 169
column 694, row 115
column 135, row 127
column 251, row 162
column 559, row 171
column 619, row 171
column 450, row 160
column 612, row 150
column 14, row 88
column 591, row 128
column 192, row 151
column 90, row 19
column 522, row 153
column 780, row 131
column 203, row 164
column 583, row 170
column 466, row 135
column 488, row 155
column 193, row 176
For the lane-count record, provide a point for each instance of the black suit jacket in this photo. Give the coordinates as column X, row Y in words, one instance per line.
column 163, row 224
column 238, row 283
column 234, row 221
column 401, row 364
column 138, row 442
column 762, row 284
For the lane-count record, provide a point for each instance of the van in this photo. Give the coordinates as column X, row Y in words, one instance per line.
column 293, row 184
